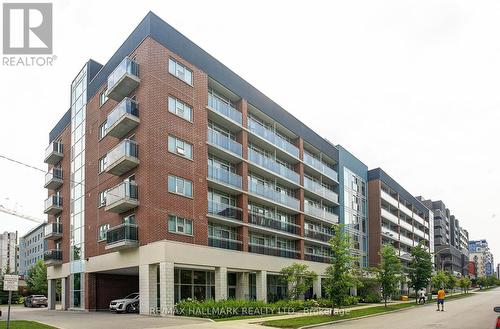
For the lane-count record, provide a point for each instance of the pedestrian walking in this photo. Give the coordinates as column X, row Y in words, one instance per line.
column 421, row 296
column 440, row 301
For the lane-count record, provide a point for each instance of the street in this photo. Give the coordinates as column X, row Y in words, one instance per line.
column 474, row 312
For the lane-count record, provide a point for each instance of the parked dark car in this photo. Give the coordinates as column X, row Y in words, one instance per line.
column 35, row 301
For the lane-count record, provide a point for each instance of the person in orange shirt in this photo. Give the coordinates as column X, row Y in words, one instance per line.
column 440, row 301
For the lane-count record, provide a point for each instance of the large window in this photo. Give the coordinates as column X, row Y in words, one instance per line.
column 103, row 97
column 180, row 71
column 181, row 225
column 102, row 164
column 102, row 198
column 180, row 147
column 103, row 229
column 199, row 285
column 180, row 108
column 180, row 186
column 102, row 129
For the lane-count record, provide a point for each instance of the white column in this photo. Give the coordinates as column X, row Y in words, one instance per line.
column 51, row 292
column 166, row 288
column 220, row 283
column 243, row 285
column 63, row 294
column 147, row 289
column 317, row 287
column 261, row 285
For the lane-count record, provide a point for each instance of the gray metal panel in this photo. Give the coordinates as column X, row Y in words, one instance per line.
column 59, row 127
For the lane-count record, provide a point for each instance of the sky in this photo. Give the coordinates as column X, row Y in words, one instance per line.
column 408, row 86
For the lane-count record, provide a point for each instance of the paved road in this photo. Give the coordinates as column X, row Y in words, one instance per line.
column 475, row 312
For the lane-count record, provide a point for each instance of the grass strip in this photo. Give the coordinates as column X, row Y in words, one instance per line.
column 23, row 324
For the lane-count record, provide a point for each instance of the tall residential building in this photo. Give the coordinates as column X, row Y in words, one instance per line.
column 498, row 271
column 396, row 217
column 31, row 248
column 187, row 182
column 481, row 256
column 8, row 252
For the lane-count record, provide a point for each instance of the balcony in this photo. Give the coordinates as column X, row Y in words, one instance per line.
column 54, row 153
column 225, row 243
column 317, row 235
column 389, row 216
column 52, row 257
column 273, row 251
column 223, row 142
column 320, row 190
column 122, row 236
column 53, row 179
column 317, row 258
column 270, row 193
column 123, row 158
column 53, row 231
column 321, row 167
column 224, row 210
column 387, row 197
column 122, row 197
column 406, row 240
column 271, row 137
column 123, row 118
column 269, row 222
column 224, row 176
column 273, row 165
column 123, row 80
column 405, row 225
column 320, row 213
column 224, row 109
column 53, row 205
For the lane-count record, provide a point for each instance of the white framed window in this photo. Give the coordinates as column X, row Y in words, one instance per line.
column 103, row 230
column 180, row 147
column 102, row 129
column 181, row 225
column 103, row 97
column 180, row 109
column 180, row 185
column 102, row 164
column 177, row 69
column 102, row 198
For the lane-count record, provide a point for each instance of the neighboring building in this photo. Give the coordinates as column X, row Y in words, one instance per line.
column 187, row 182
column 481, row 256
column 31, row 248
column 8, row 252
column 472, row 270
column 396, row 217
column 498, row 271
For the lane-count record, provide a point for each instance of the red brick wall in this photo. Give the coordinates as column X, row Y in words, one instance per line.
column 374, row 222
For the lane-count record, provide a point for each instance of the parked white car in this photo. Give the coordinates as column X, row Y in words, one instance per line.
column 128, row 304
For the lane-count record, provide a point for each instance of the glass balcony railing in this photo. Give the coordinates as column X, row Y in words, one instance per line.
column 317, row 235
column 317, row 258
column 124, row 234
column 54, row 153
column 123, row 118
column 53, row 204
column 122, row 197
column 219, row 242
column 224, row 176
column 52, row 256
column 273, row 251
column 269, row 192
column 320, row 212
column 224, row 210
column 54, row 178
column 273, row 165
column 225, row 109
column 272, row 137
column 321, row 190
column 52, row 230
column 320, row 166
column 123, row 157
column 123, row 80
column 216, row 138
column 264, row 221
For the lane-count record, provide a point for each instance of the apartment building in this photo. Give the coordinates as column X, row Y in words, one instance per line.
column 186, row 182
column 396, row 217
column 482, row 258
column 8, row 252
column 32, row 246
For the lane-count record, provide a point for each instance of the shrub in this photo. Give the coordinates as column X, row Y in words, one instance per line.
column 351, row 300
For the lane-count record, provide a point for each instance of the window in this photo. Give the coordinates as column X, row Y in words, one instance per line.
column 103, row 230
column 180, row 71
column 180, row 108
column 180, row 147
column 102, row 198
column 180, row 186
column 102, row 164
column 102, row 129
column 178, row 224
column 103, row 97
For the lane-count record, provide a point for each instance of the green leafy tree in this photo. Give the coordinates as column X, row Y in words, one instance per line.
column 491, row 281
column 389, row 272
column 299, row 279
column 451, row 283
column 37, row 278
column 419, row 269
column 439, row 279
column 464, row 283
column 339, row 274
column 482, row 282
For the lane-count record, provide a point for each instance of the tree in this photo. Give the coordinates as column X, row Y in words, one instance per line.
column 37, row 278
column 439, row 279
column 419, row 269
column 389, row 272
column 482, row 282
column 299, row 279
column 464, row 283
column 451, row 283
column 339, row 274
